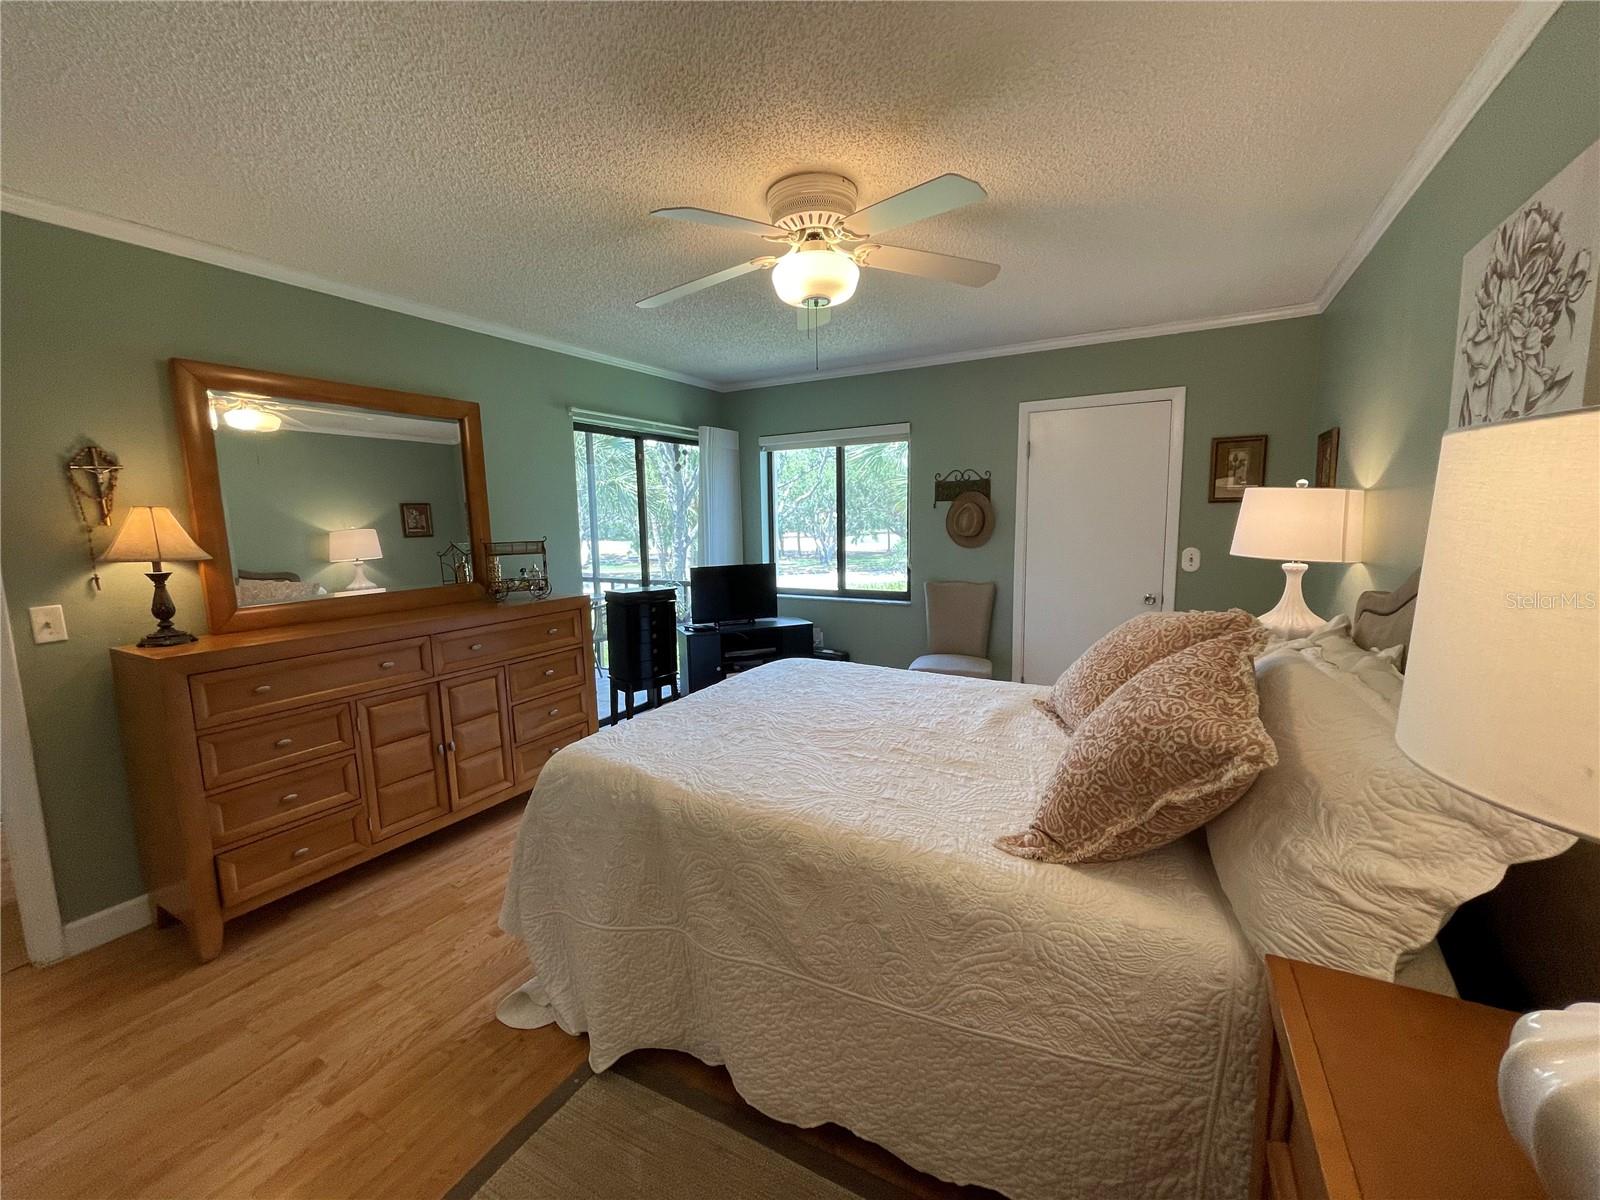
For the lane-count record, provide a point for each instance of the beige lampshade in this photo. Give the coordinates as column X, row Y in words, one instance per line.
column 1502, row 693
column 1300, row 524
column 152, row 534
column 348, row 545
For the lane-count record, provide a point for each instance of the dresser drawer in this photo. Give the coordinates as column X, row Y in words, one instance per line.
column 539, row 718
column 220, row 696
column 545, row 674
column 282, row 800
column 284, row 857
column 532, row 757
column 235, row 755
column 495, row 643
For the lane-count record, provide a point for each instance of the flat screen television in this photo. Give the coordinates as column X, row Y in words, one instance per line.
column 728, row 595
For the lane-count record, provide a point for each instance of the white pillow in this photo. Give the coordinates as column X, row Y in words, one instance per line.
column 1346, row 853
column 1331, row 649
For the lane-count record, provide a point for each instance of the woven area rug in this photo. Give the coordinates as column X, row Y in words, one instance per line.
column 607, row 1137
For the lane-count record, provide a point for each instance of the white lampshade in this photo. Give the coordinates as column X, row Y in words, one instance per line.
column 152, row 534
column 349, row 545
column 1502, row 694
column 1300, row 524
column 815, row 277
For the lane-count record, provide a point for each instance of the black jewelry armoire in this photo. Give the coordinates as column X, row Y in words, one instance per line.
column 642, row 644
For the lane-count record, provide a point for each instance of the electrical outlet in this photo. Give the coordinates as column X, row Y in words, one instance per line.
column 1191, row 559
column 49, row 623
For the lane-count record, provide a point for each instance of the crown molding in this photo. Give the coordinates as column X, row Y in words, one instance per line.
column 150, row 238
column 1199, row 325
column 1509, row 45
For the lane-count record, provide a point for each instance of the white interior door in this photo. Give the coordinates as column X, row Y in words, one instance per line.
column 1097, row 530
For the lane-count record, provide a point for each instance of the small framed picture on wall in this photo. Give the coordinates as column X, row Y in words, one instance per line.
column 416, row 519
column 1236, row 463
column 1328, row 458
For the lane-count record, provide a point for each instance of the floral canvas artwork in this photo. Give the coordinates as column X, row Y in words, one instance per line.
column 1527, row 304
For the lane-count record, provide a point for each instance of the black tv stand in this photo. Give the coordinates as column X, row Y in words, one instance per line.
column 711, row 655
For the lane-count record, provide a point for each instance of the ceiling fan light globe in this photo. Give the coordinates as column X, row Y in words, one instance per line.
column 819, row 277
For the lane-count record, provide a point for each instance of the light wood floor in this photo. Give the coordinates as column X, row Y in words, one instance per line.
column 343, row 1045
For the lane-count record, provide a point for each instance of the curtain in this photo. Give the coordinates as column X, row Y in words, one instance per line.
column 721, row 517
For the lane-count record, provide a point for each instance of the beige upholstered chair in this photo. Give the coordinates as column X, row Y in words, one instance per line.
column 958, row 628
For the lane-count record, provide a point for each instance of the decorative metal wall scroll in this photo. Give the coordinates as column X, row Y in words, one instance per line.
column 951, row 484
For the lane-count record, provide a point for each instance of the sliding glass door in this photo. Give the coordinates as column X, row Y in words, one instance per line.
column 638, row 510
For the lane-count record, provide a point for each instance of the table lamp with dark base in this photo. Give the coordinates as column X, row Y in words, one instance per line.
column 153, row 535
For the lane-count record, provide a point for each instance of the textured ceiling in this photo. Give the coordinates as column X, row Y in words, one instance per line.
column 1146, row 163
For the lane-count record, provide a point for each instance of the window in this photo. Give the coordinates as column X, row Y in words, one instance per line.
column 836, row 511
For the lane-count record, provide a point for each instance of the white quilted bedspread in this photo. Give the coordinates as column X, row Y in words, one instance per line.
column 791, row 873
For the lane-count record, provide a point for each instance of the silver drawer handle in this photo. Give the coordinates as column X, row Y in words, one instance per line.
column 282, row 742
column 553, row 630
column 384, row 666
column 553, row 749
column 450, row 746
column 261, row 689
column 441, row 749
column 475, row 646
column 301, row 853
column 549, row 671
column 555, row 712
column 289, row 798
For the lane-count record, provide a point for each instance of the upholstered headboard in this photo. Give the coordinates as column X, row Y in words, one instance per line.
column 1534, row 941
column 1383, row 619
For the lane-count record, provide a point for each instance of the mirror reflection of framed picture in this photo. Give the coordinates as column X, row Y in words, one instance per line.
column 416, row 519
column 1236, row 463
column 1328, row 458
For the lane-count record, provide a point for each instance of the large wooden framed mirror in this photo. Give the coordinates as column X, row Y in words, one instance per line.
column 319, row 500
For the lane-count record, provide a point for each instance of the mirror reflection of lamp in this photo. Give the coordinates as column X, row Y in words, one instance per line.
column 153, row 535
column 355, row 546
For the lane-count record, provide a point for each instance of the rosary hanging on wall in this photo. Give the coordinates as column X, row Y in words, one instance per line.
column 92, row 476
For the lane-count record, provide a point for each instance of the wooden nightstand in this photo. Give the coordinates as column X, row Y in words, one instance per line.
column 1373, row 1091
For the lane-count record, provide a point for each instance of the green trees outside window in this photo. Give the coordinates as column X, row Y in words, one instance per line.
column 837, row 518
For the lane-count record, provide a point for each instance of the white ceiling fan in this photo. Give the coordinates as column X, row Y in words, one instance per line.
column 829, row 240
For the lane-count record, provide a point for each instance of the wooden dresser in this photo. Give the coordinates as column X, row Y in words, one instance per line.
column 264, row 761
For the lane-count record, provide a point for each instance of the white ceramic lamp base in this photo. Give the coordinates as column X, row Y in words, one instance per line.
column 1291, row 617
column 1550, row 1094
column 359, row 581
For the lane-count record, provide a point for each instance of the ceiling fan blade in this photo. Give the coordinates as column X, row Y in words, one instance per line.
column 704, row 216
column 946, row 267
column 915, row 204
column 696, row 285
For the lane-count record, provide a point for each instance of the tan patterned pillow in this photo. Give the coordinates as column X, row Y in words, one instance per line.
column 1127, row 650
column 1173, row 747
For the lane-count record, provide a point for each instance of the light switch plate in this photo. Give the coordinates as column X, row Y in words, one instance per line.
column 49, row 623
column 1191, row 558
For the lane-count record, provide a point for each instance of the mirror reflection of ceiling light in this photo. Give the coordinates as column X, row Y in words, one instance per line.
column 249, row 419
column 243, row 411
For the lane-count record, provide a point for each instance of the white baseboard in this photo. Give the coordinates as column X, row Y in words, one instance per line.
column 107, row 925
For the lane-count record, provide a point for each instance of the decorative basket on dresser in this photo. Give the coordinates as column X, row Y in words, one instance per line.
column 305, row 736
column 262, row 762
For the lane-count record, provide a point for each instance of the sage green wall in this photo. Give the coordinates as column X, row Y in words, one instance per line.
column 89, row 326
column 1248, row 379
column 284, row 491
column 1389, row 336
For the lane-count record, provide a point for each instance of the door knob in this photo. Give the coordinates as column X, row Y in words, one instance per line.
column 1151, row 598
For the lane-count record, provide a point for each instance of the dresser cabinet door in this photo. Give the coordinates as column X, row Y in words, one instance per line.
column 403, row 754
column 478, row 736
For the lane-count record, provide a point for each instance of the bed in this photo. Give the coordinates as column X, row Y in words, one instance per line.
column 792, row 874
